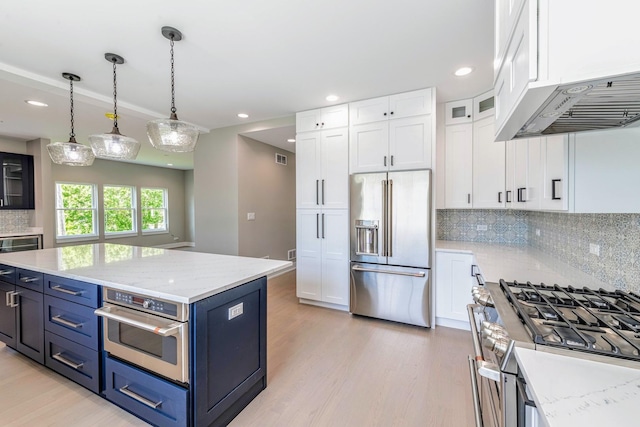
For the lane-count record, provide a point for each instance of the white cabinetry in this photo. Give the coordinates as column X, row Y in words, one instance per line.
column 391, row 133
column 323, row 118
column 457, row 112
column 453, row 282
column 554, row 154
column 488, row 166
column 458, row 181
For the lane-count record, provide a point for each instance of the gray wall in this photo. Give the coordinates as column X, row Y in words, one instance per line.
column 268, row 190
column 189, row 204
column 216, row 187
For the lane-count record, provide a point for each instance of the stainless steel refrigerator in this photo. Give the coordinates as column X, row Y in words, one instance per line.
column 390, row 225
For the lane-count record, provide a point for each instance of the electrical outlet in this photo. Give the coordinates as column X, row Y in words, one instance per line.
column 251, row 216
column 537, row 232
column 594, row 249
column 236, row 310
column 482, row 227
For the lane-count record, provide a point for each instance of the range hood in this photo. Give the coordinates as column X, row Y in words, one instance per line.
column 588, row 105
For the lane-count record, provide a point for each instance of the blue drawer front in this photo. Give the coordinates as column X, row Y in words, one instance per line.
column 8, row 274
column 61, row 355
column 126, row 386
column 30, row 279
column 72, row 321
column 72, row 290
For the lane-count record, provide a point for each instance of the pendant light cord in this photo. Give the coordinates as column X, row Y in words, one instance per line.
column 173, row 92
column 115, row 97
column 72, row 134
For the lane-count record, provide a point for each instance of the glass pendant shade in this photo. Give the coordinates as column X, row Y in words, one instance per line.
column 114, row 146
column 70, row 154
column 172, row 135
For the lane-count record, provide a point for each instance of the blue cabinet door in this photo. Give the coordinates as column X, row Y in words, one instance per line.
column 73, row 321
column 30, row 279
column 73, row 290
column 30, row 324
column 7, row 315
column 74, row 361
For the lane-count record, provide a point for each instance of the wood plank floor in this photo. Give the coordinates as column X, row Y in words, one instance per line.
column 325, row 368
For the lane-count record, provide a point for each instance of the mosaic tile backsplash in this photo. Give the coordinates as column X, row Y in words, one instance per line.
column 14, row 220
column 567, row 237
column 484, row 226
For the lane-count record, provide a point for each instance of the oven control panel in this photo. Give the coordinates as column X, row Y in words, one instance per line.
column 140, row 302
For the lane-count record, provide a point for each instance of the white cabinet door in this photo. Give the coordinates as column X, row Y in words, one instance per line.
column 506, row 16
column 369, row 147
column 533, row 193
column 458, row 112
column 453, row 286
column 488, row 166
column 368, row 111
column 308, row 254
column 555, row 173
column 410, row 142
column 458, row 166
column 308, row 160
column 335, row 117
column 335, row 256
column 484, row 106
column 409, row 104
column 308, row 120
column 510, row 175
column 520, row 155
column 334, row 183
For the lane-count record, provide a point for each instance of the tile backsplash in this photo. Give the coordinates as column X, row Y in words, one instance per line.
column 570, row 238
column 14, row 220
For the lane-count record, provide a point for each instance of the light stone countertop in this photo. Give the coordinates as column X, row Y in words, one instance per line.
column 576, row 392
column 179, row 276
column 26, row 232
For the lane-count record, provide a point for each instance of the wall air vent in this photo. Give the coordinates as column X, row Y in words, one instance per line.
column 281, row 159
column 291, row 254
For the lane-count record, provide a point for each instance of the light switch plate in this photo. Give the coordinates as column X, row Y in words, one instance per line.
column 251, row 216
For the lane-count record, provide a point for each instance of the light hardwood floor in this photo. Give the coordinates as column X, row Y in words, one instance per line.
column 325, row 368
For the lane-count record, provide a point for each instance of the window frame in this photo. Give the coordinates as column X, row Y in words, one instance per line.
column 133, row 209
column 165, row 198
column 95, row 235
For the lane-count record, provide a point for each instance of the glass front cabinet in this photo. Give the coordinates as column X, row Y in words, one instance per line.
column 16, row 191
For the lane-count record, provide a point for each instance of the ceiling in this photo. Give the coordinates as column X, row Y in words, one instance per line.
column 267, row 59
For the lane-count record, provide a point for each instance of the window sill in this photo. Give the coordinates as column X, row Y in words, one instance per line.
column 70, row 239
column 120, row 235
column 151, row 232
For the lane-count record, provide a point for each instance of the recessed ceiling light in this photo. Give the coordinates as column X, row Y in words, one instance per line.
column 463, row 71
column 36, row 103
column 243, row 115
column 291, row 140
column 169, row 164
column 332, row 98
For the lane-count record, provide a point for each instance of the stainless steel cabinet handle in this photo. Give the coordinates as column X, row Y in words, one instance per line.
column 65, row 291
column 1, row 202
column 317, row 192
column 7, row 298
column 165, row 332
column 64, row 360
column 27, row 279
column 323, row 226
column 477, row 412
column 13, row 303
column 553, row 189
column 323, row 191
column 5, row 272
column 397, row 273
column 136, row 396
column 60, row 319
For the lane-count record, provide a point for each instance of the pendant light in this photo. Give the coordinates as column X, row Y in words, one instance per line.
column 172, row 134
column 71, row 153
column 114, row 145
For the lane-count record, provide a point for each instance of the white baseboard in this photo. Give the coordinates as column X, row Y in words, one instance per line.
column 451, row 323
column 324, row 304
column 177, row 245
column 281, row 272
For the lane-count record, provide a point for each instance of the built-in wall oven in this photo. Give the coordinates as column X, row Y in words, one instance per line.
column 151, row 333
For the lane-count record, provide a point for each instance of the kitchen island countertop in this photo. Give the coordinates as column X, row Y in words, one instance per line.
column 179, row 276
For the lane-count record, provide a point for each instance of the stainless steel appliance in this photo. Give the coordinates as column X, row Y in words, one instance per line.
column 151, row 333
column 20, row 243
column 390, row 223
column 576, row 322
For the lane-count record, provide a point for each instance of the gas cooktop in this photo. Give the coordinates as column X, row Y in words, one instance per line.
column 595, row 321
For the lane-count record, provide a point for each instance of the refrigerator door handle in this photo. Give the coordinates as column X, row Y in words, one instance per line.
column 398, row 273
column 384, row 217
column 323, row 226
column 317, row 226
column 389, row 223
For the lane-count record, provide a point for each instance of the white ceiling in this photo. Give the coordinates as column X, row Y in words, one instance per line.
column 265, row 58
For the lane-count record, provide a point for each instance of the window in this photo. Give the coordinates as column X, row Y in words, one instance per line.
column 76, row 211
column 154, row 209
column 119, row 210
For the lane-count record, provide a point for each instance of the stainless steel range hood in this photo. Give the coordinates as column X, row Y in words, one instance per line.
column 588, row 105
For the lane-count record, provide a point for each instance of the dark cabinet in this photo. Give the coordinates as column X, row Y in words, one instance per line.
column 7, row 305
column 16, row 191
column 30, row 324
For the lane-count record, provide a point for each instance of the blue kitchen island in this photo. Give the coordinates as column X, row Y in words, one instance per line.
column 176, row 338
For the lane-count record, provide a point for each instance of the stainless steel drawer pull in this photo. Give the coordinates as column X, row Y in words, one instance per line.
column 399, row 273
column 66, row 291
column 64, row 360
column 13, row 296
column 5, row 272
column 165, row 332
column 65, row 322
column 7, row 298
column 27, row 279
column 136, row 396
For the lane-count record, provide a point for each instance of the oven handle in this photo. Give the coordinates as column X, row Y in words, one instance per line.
column 165, row 332
column 486, row 369
column 475, row 393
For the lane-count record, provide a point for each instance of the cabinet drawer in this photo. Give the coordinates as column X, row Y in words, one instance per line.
column 155, row 400
column 74, row 361
column 7, row 274
column 72, row 290
column 72, row 321
column 29, row 279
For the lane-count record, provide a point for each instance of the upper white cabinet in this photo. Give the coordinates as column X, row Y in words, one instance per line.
column 488, row 166
column 554, row 154
column 401, row 141
column 407, row 104
column 322, row 169
column 457, row 112
column 323, row 118
column 458, row 152
column 484, row 106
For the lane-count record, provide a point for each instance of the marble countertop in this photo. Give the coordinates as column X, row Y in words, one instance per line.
column 179, row 276
column 26, row 232
column 575, row 392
